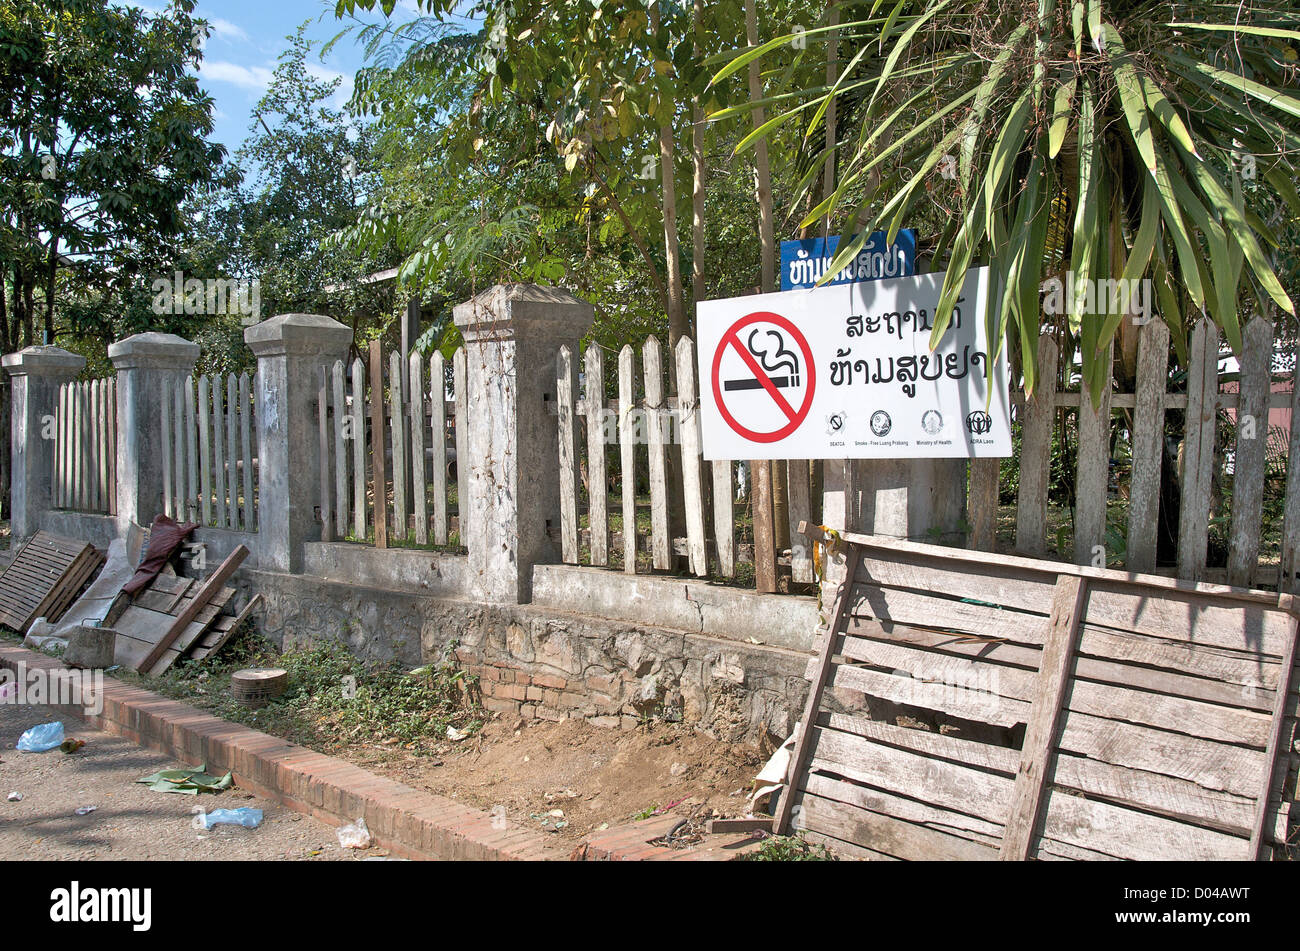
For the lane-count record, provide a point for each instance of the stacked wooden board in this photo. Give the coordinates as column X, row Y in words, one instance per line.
column 974, row 706
column 176, row 617
column 44, row 579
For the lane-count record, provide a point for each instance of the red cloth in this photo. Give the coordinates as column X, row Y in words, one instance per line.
column 165, row 536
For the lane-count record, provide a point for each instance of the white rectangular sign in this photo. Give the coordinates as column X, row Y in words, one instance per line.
column 846, row 372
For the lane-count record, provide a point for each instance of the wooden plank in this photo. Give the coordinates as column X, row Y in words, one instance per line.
column 205, row 449
column 1275, row 751
column 982, row 503
column 397, row 427
column 232, row 454
column 419, row 481
column 627, row 453
column 246, row 450
column 342, row 426
column 1250, row 464
column 884, row 833
column 460, row 380
column 800, row 506
column 1148, row 445
column 1288, row 580
column 379, row 472
column 112, row 447
column 1092, row 477
column 724, row 519
column 652, row 367
column 692, row 478
column 1198, row 450
column 215, row 639
column 803, row 748
column 1036, row 421
column 1044, row 718
column 438, row 435
column 359, row 449
column 323, row 438
column 760, row 498
column 565, row 384
column 58, row 490
column 78, row 464
column 169, row 458
column 218, row 454
column 205, row 593
column 178, row 447
column 191, row 452
column 597, row 480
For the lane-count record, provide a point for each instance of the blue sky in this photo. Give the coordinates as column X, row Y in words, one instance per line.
column 246, row 41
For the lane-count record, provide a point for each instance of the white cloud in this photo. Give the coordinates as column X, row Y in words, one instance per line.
column 325, row 74
column 249, row 77
column 226, row 29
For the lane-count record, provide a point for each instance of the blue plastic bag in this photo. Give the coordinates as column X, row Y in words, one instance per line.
column 247, row 817
column 41, row 738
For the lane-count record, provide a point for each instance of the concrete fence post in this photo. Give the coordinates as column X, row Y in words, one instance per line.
column 144, row 363
column 37, row 373
column 513, row 334
column 290, row 351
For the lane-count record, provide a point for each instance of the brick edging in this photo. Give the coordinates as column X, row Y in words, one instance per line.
column 406, row 821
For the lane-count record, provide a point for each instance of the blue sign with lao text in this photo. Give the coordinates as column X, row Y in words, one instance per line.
column 804, row 261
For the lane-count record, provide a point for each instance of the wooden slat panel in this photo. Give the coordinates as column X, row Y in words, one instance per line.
column 419, row 481
column 342, row 428
column 1036, row 420
column 323, row 439
column 565, row 384
column 1198, row 450
column 1148, row 445
column 178, row 447
column 205, row 449
column 724, row 522
column 232, row 454
column 246, row 451
column 885, row 833
column 1048, row 697
column 1249, row 464
column 1277, row 749
column 598, row 494
column 359, row 449
column 800, row 496
column 379, row 469
column 692, row 479
column 627, row 453
column 219, row 454
column 169, row 459
column 1092, row 477
column 191, row 452
column 652, row 365
column 112, row 447
column 438, row 436
column 459, row 381
column 397, row 427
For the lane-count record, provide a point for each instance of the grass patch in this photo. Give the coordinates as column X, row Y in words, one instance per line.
column 789, row 848
column 334, row 700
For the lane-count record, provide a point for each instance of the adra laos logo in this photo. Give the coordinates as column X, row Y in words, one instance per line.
column 76, row 904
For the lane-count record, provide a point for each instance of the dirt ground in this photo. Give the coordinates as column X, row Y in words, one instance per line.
column 130, row 820
column 595, row 777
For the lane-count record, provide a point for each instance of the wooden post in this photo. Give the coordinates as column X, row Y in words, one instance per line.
column 760, row 499
column 598, row 490
column 1036, row 454
column 1148, row 446
column 379, row 481
column 1198, row 450
column 1253, row 392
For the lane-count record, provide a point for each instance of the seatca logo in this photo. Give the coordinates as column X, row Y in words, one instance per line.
column 77, row 904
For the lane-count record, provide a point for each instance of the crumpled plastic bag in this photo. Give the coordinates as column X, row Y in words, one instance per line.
column 40, row 739
column 355, row 836
column 245, row 816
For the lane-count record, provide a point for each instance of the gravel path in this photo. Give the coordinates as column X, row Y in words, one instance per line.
column 131, row 821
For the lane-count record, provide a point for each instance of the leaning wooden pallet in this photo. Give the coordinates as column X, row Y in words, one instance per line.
column 974, row 706
column 44, row 578
column 171, row 616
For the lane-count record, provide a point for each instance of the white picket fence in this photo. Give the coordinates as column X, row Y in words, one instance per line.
column 684, row 490
column 386, row 450
column 209, row 451
column 85, row 447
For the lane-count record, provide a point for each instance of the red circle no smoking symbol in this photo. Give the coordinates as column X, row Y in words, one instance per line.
column 763, row 377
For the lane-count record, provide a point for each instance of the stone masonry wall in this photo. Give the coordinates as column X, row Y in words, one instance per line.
column 549, row 664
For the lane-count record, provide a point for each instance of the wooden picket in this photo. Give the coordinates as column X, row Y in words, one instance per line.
column 384, row 449
column 85, row 447
column 208, row 451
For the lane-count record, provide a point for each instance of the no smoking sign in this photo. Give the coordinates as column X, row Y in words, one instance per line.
column 763, row 377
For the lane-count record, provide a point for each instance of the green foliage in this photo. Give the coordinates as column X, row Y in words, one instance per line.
column 789, row 848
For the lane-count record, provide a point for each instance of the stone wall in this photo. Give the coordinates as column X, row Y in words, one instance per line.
column 541, row 662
